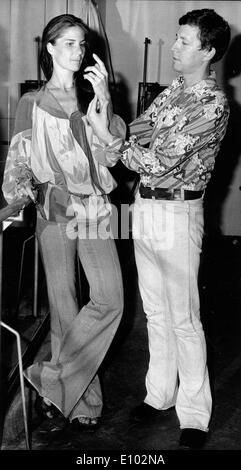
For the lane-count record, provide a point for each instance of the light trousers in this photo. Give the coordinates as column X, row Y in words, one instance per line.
column 79, row 339
column 168, row 240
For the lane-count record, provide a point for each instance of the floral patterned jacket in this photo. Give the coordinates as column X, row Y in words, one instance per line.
column 173, row 144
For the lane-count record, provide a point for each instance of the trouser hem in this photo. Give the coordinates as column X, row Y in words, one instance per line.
column 191, row 426
column 84, row 416
column 42, row 396
column 160, row 409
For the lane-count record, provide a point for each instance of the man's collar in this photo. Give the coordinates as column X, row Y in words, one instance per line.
column 205, row 82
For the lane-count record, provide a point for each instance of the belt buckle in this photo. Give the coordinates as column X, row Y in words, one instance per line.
column 178, row 194
column 153, row 197
column 175, row 194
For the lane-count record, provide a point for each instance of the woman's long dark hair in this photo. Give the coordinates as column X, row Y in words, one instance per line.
column 51, row 33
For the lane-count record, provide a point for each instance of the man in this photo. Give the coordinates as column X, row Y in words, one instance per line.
column 183, row 129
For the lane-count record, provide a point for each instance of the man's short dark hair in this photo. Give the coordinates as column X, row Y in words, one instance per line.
column 214, row 31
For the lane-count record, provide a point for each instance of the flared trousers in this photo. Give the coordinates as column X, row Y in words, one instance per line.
column 79, row 339
column 168, row 241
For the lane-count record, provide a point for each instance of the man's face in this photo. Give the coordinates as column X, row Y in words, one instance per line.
column 188, row 57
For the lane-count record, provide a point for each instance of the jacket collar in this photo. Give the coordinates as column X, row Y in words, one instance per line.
column 47, row 101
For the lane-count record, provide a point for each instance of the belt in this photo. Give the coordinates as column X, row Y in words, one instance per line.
column 170, row 194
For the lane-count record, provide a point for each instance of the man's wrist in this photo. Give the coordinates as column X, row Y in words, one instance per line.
column 115, row 143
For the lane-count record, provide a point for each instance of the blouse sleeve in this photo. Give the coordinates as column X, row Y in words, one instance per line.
column 100, row 151
column 17, row 168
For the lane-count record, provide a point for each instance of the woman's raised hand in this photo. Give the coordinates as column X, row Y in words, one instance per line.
column 98, row 77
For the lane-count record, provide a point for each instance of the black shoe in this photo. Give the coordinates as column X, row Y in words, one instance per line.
column 87, row 425
column 145, row 413
column 45, row 411
column 192, row 438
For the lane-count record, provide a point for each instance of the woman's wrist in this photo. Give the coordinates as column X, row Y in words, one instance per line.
column 108, row 138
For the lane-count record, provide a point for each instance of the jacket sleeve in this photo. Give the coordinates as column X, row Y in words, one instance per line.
column 141, row 127
column 199, row 131
column 194, row 136
column 17, row 168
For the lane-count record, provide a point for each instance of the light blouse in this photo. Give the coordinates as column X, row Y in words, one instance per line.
column 57, row 153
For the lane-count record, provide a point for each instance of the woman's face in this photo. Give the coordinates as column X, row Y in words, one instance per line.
column 69, row 49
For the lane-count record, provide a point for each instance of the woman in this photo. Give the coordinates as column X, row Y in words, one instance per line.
column 52, row 158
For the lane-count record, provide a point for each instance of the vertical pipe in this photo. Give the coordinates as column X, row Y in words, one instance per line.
column 20, row 363
column 21, row 272
column 1, row 383
column 45, row 8
column 143, row 98
column 38, row 61
column 35, row 293
column 1, row 267
column 9, row 76
column 88, row 19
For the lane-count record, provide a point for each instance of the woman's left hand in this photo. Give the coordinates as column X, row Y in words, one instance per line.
column 97, row 117
column 98, row 77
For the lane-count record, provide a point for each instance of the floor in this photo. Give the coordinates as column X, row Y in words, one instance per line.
column 123, row 371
